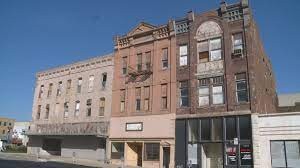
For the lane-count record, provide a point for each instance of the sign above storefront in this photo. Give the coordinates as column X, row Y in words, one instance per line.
column 134, row 126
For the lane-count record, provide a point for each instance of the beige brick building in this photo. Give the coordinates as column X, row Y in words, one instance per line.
column 6, row 126
column 71, row 109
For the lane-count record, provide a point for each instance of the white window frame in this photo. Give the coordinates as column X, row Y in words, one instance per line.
column 183, row 54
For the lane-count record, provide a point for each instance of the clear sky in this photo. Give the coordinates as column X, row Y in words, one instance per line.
column 39, row 34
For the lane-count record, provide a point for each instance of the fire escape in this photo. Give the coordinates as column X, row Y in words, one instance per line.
column 139, row 74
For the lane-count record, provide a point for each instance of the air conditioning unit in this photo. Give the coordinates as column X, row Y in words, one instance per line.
column 237, row 53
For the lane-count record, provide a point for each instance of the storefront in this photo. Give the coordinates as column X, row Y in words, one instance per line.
column 214, row 142
column 143, row 141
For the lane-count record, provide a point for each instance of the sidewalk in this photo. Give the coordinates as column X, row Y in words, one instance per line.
column 82, row 162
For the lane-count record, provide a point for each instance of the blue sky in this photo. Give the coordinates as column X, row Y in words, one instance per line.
column 37, row 35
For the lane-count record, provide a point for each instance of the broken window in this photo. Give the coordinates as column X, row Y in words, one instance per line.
column 241, row 87
column 91, row 83
column 164, row 96
column 183, row 53
column 77, row 108
column 237, row 41
column 69, row 82
column 146, row 97
column 47, row 111
column 151, row 151
column 184, row 100
column 79, row 84
column 122, row 103
column 138, row 99
column 41, row 91
column 209, row 50
column 104, row 79
column 59, row 89
column 165, row 63
column 89, row 107
column 50, row 90
column 139, row 62
column 38, row 114
column 66, row 109
column 124, row 65
column 102, row 106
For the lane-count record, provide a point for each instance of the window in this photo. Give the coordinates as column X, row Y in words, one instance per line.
column 211, row 91
column 241, row 87
column 237, row 41
column 245, row 127
column 102, row 106
column 124, row 65
column 184, row 100
column 285, row 154
column 41, row 91
column 139, row 62
column 164, row 96
column 204, row 92
column 217, row 92
column 77, row 108
column 104, row 79
column 59, row 89
column 151, row 151
column 146, row 98
column 4, row 123
column 66, row 109
column 56, row 109
column 122, row 98
column 183, row 55
column 210, row 50
column 138, row 99
column 47, row 111
column 69, row 82
column 165, row 63
column 205, row 129
column 50, row 90
column 91, row 83
column 89, row 107
column 38, row 114
column 217, row 129
column 231, row 128
column 79, row 85
column 193, row 126
column 148, row 60
column 117, row 150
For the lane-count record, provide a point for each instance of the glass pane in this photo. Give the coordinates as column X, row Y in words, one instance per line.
column 216, row 129
column 242, row 96
column 277, row 154
column 212, row 155
column 217, row 89
column 215, row 44
column 202, row 46
column 245, row 127
column 183, row 50
column 184, row 102
column 238, row 39
column 205, row 129
column 218, row 98
column 230, row 128
column 292, row 153
column 231, row 156
column 183, row 60
column 204, row 91
column 203, row 100
column 241, row 85
column 184, row 92
column 193, row 130
column 246, row 154
column 193, row 154
column 215, row 55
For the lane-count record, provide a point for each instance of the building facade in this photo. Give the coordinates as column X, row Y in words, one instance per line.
column 223, row 76
column 71, row 110
column 143, row 114
column 19, row 136
column 6, row 126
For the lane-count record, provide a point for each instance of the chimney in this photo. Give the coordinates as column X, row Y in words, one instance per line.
column 191, row 16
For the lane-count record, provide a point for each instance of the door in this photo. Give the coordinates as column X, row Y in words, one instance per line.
column 166, row 157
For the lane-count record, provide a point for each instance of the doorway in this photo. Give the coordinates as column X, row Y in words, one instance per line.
column 52, row 146
column 134, row 154
column 166, row 157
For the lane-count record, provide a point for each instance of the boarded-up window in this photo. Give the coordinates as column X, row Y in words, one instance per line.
column 203, row 57
column 183, row 53
column 102, row 106
column 165, row 63
column 202, row 46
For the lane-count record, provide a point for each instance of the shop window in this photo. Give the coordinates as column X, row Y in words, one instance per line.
column 285, row 154
column 245, row 127
column 184, row 100
column 216, row 129
column 211, row 155
column 193, row 127
column 117, row 150
column 231, row 155
column 241, row 87
column 124, row 65
column 246, row 154
column 79, row 84
column 193, row 154
column 205, row 129
column 164, row 60
column 231, row 128
column 89, row 107
column 151, row 151
column 183, row 54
